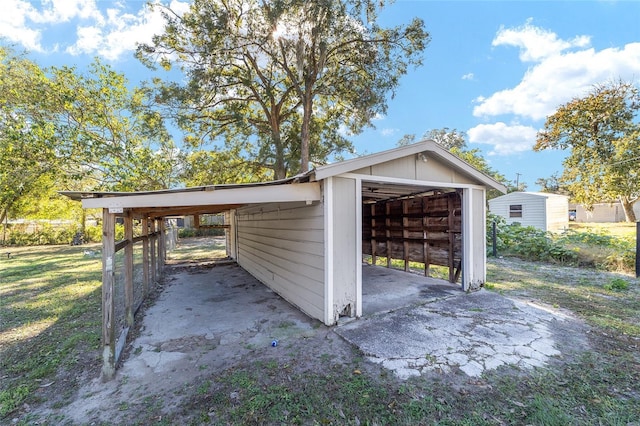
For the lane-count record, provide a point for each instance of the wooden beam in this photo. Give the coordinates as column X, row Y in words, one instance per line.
column 405, row 235
column 452, row 235
column 128, row 269
column 153, row 246
column 162, row 245
column 145, row 257
column 108, row 306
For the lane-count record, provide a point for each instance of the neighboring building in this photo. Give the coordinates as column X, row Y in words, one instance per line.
column 602, row 212
column 549, row 212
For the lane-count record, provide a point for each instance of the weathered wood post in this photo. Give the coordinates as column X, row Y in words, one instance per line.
column 162, row 245
column 108, row 306
column 153, row 246
column 128, row 269
column 145, row 256
column 637, row 249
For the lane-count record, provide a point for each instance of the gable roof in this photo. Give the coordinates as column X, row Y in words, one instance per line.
column 520, row 194
column 424, row 146
column 217, row 198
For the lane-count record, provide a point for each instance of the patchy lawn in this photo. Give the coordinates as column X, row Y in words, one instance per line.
column 49, row 338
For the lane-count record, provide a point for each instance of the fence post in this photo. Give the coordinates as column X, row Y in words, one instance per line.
column 637, row 249
column 108, row 291
column 494, row 238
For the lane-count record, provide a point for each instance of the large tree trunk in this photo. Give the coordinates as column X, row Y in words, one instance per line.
column 627, row 205
column 305, row 135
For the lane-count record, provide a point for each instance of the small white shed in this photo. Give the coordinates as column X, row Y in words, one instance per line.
column 549, row 212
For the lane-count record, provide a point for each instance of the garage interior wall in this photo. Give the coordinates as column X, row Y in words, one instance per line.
column 282, row 245
column 425, row 229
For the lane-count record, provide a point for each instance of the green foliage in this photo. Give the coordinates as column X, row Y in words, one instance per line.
column 46, row 234
column 528, row 242
column 603, row 134
column 280, row 81
column 616, row 284
column 570, row 247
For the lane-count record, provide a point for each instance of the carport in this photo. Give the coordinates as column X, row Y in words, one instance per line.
column 304, row 237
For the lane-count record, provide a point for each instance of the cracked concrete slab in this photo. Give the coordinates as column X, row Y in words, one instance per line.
column 451, row 330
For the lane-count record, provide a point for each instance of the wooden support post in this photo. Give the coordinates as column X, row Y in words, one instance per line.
column 153, row 246
column 373, row 234
column 405, row 234
column 196, row 221
column 425, row 236
column 637, row 249
column 128, row 269
column 108, row 306
column 162, row 250
column 387, row 210
column 450, row 225
column 145, row 257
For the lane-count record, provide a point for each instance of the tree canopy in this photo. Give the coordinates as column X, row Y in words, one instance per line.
column 603, row 135
column 281, row 81
column 60, row 127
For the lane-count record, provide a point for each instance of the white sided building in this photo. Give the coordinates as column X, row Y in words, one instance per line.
column 545, row 211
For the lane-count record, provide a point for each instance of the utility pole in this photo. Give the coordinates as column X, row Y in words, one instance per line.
column 518, row 181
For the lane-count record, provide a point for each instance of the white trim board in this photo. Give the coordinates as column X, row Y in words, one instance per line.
column 307, row 192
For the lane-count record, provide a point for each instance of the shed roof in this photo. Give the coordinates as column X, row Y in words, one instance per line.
column 303, row 187
column 520, row 194
column 425, row 146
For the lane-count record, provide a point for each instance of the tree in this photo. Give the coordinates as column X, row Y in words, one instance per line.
column 59, row 127
column 281, row 80
column 118, row 140
column 603, row 136
column 552, row 185
column 29, row 153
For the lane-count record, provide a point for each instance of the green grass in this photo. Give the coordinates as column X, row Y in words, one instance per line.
column 198, row 249
column 50, row 308
column 50, row 317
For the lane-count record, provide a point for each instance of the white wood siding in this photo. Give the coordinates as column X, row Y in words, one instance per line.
column 230, row 233
column 548, row 212
column 345, row 255
column 557, row 213
column 533, row 209
column 412, row 167
column 474, row 257
column 282, row 245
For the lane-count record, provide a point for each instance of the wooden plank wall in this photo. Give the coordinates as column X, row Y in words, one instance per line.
column 420, row 229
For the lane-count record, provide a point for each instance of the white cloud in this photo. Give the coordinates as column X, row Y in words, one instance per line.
column 536, row 43
column 388, row 132
column 13, row 24
column 505, row 139
column 468, row 76
column 559, row 75
column 109, row 32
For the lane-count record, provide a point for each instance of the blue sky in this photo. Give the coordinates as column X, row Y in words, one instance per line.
column 493, row 69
